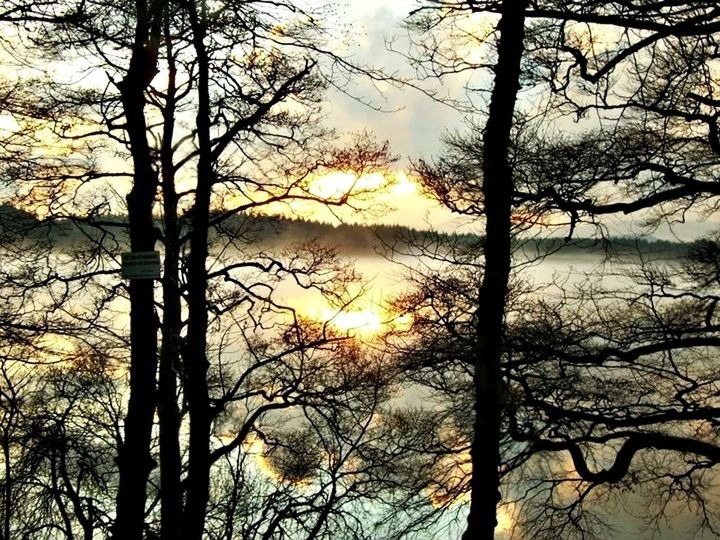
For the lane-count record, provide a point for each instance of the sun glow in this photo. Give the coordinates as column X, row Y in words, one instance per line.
column 337, row 184
column 366, row 321
column 363, row 322
column 453, row 474
column 254, row 446
column 389, row 197
column 403, row 185
column 257, row 448
column 506, row 518
column 8, row 125
column 55, row 349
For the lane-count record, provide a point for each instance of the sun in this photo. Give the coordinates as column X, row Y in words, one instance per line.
column 403, row 185
column 366, row 319
column 338, row 184
column 366, row 322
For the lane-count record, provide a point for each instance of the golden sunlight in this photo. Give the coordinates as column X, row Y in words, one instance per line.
column 387, row 198
column 256, row 447
column 55, row 349
column 453, row 473
column 403, row 185
column 367, row 322
column 506, row 518
column 8, row 124
column 337, row 184
column 364, row 322
column 390, row 198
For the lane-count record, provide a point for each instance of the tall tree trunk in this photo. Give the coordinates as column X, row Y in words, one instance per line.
column 168, row 413
column 497, row 191
column 134, row 460
column 195, row 356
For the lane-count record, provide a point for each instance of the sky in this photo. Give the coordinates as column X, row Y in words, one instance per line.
column 414, row 124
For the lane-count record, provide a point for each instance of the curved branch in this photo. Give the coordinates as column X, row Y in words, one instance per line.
column 634, row 444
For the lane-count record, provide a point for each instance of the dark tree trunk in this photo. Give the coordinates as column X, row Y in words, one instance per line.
column 8, row 492
column 497, row 191
column 168, row 413
column 195, row 356
column 57, row 496
column 73, row 494
column 134, row 460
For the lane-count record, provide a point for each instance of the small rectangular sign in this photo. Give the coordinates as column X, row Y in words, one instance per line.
column 141, row 265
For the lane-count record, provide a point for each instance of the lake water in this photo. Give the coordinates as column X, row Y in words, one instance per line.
column 385, row 279
column 624, row 517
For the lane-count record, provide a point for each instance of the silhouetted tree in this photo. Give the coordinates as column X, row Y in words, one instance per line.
column 251, row 79
column 496, row 188
column 654, row 149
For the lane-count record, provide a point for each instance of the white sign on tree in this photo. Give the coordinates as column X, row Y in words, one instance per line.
column 141, row 265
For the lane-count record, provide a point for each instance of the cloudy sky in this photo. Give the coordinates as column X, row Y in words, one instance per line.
column 415, row 124
column 411, row 121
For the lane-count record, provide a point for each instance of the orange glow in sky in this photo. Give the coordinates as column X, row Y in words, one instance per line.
column 391, row 198
column 363, row 322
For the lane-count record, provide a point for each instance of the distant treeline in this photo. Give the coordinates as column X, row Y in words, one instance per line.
column 351, row 239
column 354, row 238
column 611, row 246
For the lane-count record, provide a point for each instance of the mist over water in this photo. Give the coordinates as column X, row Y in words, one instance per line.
column 384, row 278
column 557, row 275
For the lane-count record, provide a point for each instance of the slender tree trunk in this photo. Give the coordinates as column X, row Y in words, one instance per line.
column 134, row 460
column 168, row 413
column 71, row 493
column 497, row 191
column 195, row 357
column 324, row 513
column 57, row 496
column 8, row 506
